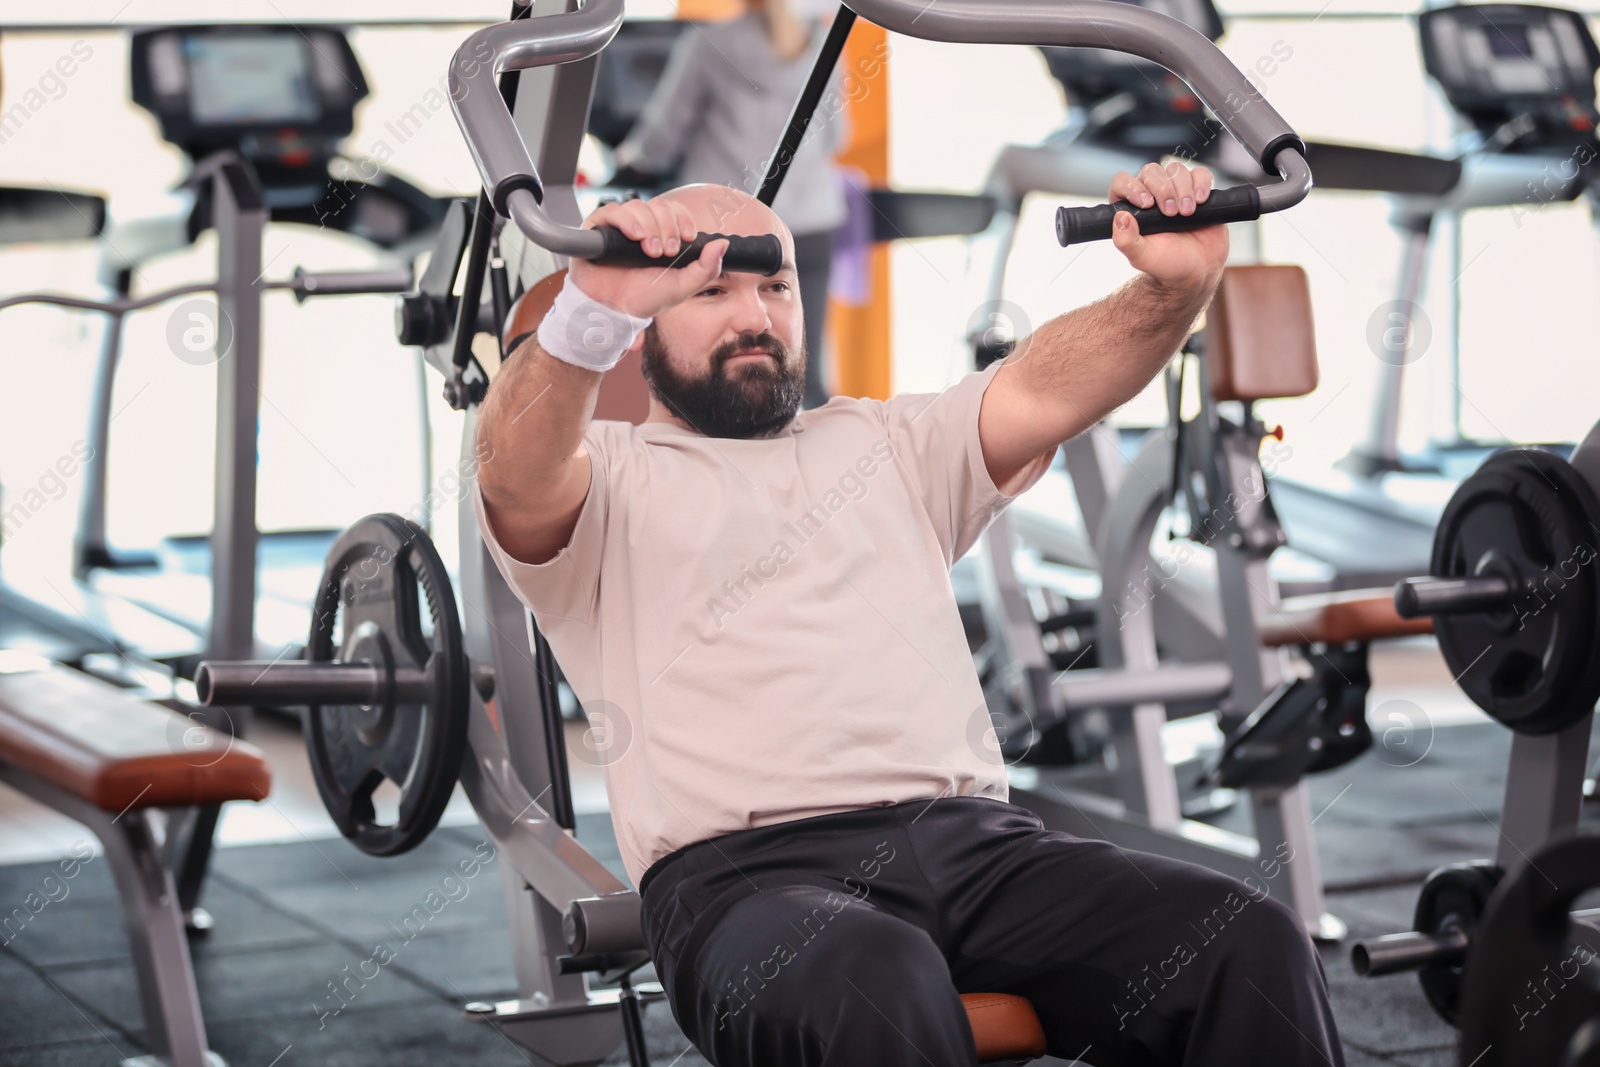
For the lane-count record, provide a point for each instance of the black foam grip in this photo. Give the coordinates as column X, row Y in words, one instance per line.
column 1078, row 225
column 750, row 255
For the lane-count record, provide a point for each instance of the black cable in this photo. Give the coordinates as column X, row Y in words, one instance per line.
column 482, row 231
column 806, row 106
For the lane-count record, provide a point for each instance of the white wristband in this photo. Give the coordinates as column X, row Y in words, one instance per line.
column 586, row 333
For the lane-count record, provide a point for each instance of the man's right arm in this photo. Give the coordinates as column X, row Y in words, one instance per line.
column 537, row 475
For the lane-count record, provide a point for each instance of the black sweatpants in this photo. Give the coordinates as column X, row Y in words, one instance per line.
column 813, row 263
column 846, row 940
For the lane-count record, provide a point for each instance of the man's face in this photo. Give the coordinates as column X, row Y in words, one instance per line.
column 731, row 361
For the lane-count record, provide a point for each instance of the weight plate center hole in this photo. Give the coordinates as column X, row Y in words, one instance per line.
column 368, row 646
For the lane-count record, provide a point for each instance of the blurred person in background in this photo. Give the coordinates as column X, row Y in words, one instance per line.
column 716, row 116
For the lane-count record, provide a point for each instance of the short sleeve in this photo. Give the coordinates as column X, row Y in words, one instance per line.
column 936, row 444
column 567, row 585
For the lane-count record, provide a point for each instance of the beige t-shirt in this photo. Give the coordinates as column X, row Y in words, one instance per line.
column 761, row 631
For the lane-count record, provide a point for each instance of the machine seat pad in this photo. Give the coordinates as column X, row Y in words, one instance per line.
column 1005, row 1028
column 624, row 396
column 1260, row 343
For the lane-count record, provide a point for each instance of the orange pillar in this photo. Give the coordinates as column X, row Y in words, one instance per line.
column 709, row 10
column 860, row 334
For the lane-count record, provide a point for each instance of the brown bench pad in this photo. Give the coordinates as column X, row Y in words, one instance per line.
column 1338, row 619
column 116, row 751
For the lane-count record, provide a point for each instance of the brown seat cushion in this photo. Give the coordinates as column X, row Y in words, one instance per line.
column 1260, row 344
column 624, row 397
column 116, row 751
column 1339, row 618
column 1005, row 1028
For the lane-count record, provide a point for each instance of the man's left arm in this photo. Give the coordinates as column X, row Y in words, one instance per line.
column 1080, row 367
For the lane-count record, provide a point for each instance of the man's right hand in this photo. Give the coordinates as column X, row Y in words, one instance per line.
column 663, row 227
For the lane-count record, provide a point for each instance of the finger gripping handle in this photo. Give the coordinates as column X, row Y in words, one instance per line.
column 761, row 254
column 1079, row 225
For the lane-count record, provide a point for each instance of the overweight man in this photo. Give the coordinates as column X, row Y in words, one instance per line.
column 753, row 604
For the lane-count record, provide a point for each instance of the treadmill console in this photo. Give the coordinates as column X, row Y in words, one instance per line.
column 281, row 96
column 1132, row 101
column 1519, row 73
column 630, row 67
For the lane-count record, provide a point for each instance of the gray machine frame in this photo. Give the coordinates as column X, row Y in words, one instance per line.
column 557, row 1015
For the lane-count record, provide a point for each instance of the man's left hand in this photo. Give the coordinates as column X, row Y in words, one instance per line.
column 1177, row 260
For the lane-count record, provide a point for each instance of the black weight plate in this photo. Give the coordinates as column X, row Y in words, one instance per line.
column 1530, row 994
column 1532, row 665
column 1453, row 898
column 369, row 604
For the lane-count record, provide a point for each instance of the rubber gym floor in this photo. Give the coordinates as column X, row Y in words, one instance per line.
column 291, row 917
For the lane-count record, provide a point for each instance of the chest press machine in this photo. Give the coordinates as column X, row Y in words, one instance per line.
column 458, row 695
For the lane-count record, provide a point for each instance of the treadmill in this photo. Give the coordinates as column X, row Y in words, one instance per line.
column 1521, row 79
column 284, row 124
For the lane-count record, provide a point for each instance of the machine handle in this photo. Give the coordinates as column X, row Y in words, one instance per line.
column 1416, row 597
column 1138, row 31
column 516, row 192
column 1079, row 225
column 1118, row 27
column 753, row 255
column 502, row 157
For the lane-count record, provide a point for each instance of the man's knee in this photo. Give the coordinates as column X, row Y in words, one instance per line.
column 1271, row 938
column 790, row 955
column 811, row 941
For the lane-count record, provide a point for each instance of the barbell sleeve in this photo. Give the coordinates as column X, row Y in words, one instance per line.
column 1409, row 951
column 347, row 282
column 293, row 683
column 1416, row 597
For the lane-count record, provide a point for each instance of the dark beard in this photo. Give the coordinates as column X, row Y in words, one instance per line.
column 757, row 400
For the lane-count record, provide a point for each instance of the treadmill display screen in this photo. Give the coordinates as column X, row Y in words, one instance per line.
column 247, row 79
column 1506, row 41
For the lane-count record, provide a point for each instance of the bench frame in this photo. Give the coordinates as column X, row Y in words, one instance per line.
column 135, row 843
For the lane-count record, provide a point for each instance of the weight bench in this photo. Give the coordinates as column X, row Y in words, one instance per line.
column 109, row 760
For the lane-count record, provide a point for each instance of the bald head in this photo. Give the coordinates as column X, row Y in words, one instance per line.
column 721, row 209
column 729, row 359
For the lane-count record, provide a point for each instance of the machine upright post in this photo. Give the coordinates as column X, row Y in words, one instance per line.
column 90, row 549
column 240, row 216
column 240, row 211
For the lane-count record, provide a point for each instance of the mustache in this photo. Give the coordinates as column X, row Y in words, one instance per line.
column 748, row 343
